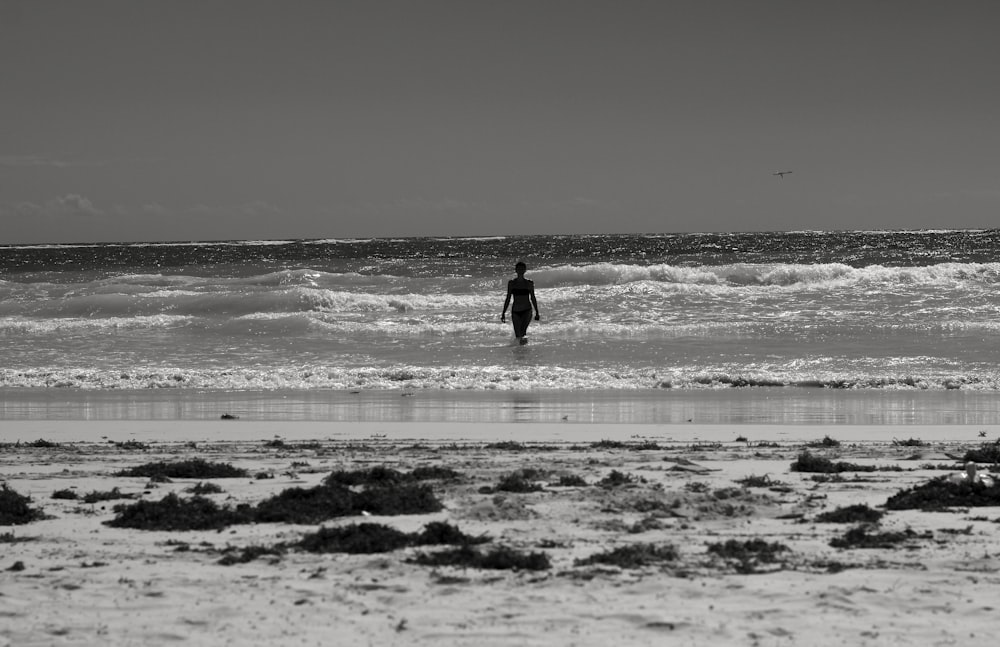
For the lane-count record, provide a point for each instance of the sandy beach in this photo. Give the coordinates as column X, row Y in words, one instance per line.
column 499, row 324
column 681, row 535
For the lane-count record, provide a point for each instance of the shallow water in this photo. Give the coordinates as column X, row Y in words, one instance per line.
column 775, row 406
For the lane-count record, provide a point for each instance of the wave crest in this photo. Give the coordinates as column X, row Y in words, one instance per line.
column 742, row 274
column 484, row 378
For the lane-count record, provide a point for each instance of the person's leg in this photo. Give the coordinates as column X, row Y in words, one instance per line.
column 520, row 321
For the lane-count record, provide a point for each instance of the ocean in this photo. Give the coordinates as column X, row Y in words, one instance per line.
column 830, row 326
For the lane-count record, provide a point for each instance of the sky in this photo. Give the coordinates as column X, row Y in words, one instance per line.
column 151, row 120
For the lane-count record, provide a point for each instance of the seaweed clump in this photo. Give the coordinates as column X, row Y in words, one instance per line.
column 378, row 475
column 382, row 475
column 355, row 538
column 15, row 508
column 306, row 505
column 499, row 558
column 633, row 556
column 507, row 446
column 985, row 453
column 41, row 443
column 131, row 445
column 293, row 505
column 434, row 473
column 250, row 553
column 859, row 513
column 758, row 481
column 402, row 499
column 941, row 493
column 380, row 538
column 571, row 480
column 175, row 513
column 860, row 537
column 519, row 481
column 747, row 556
column 196, row 468
column 617, row 479
column 806, row 462
column 363, row 538
column 108, row 495
column 204, row 488
column 330, row 500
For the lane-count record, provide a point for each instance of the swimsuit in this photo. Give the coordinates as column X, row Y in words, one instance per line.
column 520, row 312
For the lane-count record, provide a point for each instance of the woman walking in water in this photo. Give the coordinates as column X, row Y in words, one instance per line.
column 523, row 292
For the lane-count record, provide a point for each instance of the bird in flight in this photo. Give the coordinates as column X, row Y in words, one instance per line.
column 781, row 174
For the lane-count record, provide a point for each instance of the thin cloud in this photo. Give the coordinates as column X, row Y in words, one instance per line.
column 56, row 161
column 450, row 205
column 259, row 208
column 155, row 209
column 421, row 205
column 71, row 204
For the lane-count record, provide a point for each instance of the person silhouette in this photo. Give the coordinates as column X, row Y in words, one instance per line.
column 522, row 291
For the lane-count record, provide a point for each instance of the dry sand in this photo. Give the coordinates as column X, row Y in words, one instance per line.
column 70, row 579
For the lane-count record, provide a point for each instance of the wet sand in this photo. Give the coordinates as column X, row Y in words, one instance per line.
column 731, row 406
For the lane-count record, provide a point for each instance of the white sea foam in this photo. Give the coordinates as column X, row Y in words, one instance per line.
column 36, row 326
column 490, row 377
column 337, row 241
column 743, row 275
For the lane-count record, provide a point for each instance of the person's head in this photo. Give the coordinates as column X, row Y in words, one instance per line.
column 520, row 267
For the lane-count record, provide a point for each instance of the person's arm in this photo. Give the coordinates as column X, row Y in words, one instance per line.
column 534, row 302
column 506, row 302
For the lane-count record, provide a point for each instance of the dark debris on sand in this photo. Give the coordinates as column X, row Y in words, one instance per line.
column 293, row 505
column 864, row 537
column 175, row 513
column 196, row 468
column 382, row 475
column 15, row 508
column 858, row 513
column 499, row 558
column 380, row 538
column 632, row 556
column 807, row 462
column 748, row 556
column 360, row 538
column 986, row 453
column 940, row 493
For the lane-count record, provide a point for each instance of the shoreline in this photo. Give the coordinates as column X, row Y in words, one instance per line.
column 385, row 433
column 670, row 407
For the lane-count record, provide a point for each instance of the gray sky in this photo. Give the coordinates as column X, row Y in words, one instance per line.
column 125, row 120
